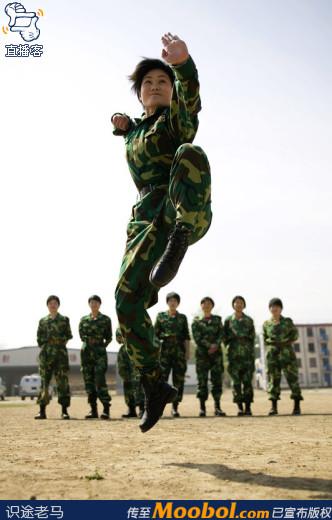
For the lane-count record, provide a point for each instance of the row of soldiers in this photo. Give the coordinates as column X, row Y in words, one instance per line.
column 173, row 339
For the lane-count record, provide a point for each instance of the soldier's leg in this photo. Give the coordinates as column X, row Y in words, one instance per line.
column 291, row 371
column 273, row 373
column 178, row 373
column 202, row 372
column 61, row 376
column 100, row 376
column 165, row 363
column 88, row 372
column 190, row 196
column 247, row 378
column 190, row 189
column 46, row 367
column 234, row 372
column 217, row 370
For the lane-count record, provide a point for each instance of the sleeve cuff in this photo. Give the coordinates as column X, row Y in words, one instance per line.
column 186, row 70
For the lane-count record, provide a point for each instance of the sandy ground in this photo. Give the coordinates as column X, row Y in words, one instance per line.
column 258, row 457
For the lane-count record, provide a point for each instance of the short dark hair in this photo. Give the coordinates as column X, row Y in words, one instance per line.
column 53, row 297
column 238, row 298
column 207, row 298
column 174, row 295
column 276, row 301
column 145, row 66
column 94, row 297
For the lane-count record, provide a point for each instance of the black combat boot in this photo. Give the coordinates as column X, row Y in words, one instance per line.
column 42, row 412
column 131, row 412
column 202, row 411
column 240, row 407
column 64, row 413
column 175, row 412
column 167, row 266
column 157, row 395
column 105, row 416
column 93, row 414
column 248, row 411
column 141, row 410
column 296, row 409
column 217, row 410
column 274, row 407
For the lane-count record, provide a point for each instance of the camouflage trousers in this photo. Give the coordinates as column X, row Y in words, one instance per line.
column 94, row 368
column 187, row 200
column 241, row 372
column 173, row 359
column 132, row 388
column 282, row 359
column 53, row 361
column 209, row 364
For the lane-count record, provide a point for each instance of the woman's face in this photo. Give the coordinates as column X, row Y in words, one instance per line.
column 275, row 311
column 238, row 305
column 156, row 89
column 172, row 304
column 207, row 306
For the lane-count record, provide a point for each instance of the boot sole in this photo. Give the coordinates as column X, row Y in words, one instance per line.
column 169, row 397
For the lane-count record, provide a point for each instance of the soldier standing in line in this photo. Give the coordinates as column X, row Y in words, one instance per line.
column 52, row 336
column 95, row 331
column 279, row 335
column 171, row 330
column 132, row 388
column 208, row 335
column 239, row 337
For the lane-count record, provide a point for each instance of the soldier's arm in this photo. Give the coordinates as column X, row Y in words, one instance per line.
column 252, row 333
column 158, row 328
column 197, row 334
column 220, row 333
column 68, row 330
column 81, row 330
column 186, row 334
column 122, row 131
column 185, row 102
column 293, row 332
column 108, row 332
column 227, row 338
column 266, row 337
column 41, row 334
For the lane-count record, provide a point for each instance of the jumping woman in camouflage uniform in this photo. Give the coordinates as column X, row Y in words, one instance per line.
column 172, row 177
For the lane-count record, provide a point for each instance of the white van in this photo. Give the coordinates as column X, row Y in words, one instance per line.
column 2, row 390
column 29, row 386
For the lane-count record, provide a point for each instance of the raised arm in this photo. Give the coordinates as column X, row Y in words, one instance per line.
column 185, row 102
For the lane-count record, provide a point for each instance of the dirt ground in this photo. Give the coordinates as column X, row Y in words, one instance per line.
column 260, row 457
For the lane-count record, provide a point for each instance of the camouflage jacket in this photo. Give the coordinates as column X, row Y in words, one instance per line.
column 151, row 141
column 96, row 331
column 239, row 337
column 279, row 334
column 171, row 328
column 53, row 331
column 207, row 331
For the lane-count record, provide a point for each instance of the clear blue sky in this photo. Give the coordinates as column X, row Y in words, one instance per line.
column 66, row 193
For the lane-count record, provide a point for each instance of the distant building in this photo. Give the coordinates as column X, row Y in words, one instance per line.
column 18, row 362
column 314, row 354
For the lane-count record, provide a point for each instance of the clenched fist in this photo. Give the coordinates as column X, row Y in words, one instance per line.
column 120, row 121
